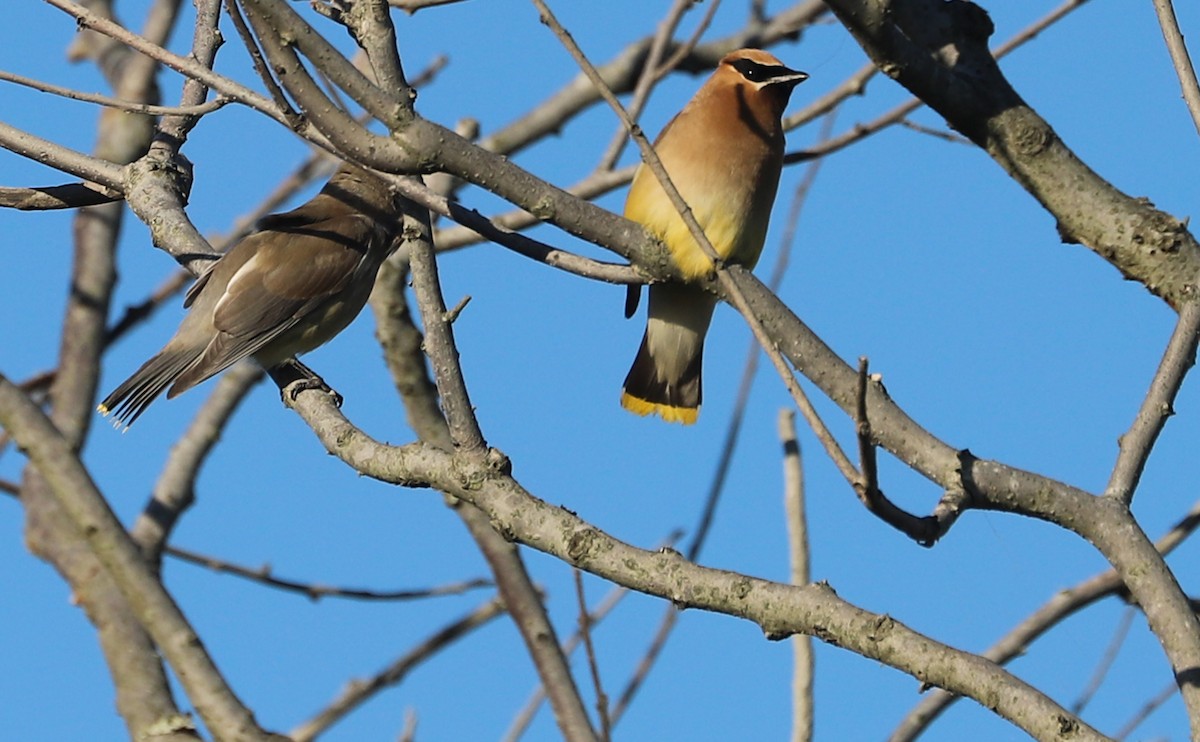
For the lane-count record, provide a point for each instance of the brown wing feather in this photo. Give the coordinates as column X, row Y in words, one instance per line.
column 268, row 295
column 274, row 294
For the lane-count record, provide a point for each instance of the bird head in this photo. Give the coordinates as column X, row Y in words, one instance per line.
column 761, row 80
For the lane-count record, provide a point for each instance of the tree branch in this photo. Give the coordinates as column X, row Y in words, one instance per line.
column 781, row 610
column 800, row 572
column 938, row 50
column 1179, row 58
column 1016, row 643
column 360, row 691
column 1136, row 444
column 75, row 492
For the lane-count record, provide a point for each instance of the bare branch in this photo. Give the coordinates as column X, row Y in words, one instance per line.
column 116, row 103
column 439, row 334
column 94, row 169
column 924, row 531
column 652, row 71
column 412, row 6
column 521, row 723
column 781, row 610
column 856, row 83
column 1179, row 57
column 585, row 631
column 405, row 357
column 271, row 22
column 74, row 490
column 653, row 651
column 621, row 74
column 518, row 243
column 1120, row 634
column 183, row 65
column 1060, row 606
column 593, row 186
column 174, row 491
column 360, row 691
column 1164, row 695
column 799, row 561
column 314, row 591
column 938, row 51
column 1138, row 441
column 70, row 196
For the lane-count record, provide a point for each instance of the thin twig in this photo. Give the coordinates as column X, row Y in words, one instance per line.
column 923, row 530
column 585, row 631
column 46, row 198
column 621, row 72
column 409, row 732
column 652, row 72
column 681, row 53
column 552, row 256
column 945, row 136
column 359, row 692
column 412, row 6
column 1137, row 443
column 642, row 671
column 183, row 65
column 1179, row 58
column 591, row 187
column 292, row 116
column 524, row 717
column 115, row 103
column 1062, row 605
column 1106, row 660
column 315, row 591
column 1167, row 693
column 799, row 568
column 522, row 720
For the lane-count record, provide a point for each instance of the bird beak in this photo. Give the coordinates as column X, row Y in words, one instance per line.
column 788, row 77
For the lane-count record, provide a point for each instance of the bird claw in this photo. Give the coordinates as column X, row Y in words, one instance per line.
column 292, row 390
column 294, row 377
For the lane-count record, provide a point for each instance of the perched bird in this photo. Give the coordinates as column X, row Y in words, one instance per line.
column 723, row 152
column 285, row 289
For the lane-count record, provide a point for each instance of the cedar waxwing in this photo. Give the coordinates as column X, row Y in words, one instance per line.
column 724, row 153
column 285, row 289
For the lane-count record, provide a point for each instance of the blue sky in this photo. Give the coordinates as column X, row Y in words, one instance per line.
column 921, row 254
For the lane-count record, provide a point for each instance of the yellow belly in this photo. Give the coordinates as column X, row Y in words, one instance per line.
column 734, row 229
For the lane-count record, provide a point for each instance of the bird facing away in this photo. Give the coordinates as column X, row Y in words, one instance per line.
column 293, row 284
column 724, row 153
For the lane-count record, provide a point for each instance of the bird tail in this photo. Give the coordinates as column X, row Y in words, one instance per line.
column 665, row 377
column 129, row 400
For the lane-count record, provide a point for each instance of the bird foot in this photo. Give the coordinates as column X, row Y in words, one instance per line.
column 293, row 389
column 294, row 377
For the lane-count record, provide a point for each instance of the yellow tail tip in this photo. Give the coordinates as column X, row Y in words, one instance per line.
column 102, row 410
column 672, row 414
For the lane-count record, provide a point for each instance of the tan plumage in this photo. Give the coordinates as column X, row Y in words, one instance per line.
column 283, row 290
column 724, row 153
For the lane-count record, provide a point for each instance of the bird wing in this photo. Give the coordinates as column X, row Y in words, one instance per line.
column 288, row 277
column 198, row 285
column 291, row 272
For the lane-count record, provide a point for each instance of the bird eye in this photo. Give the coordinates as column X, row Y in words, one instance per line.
column 752, row 71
